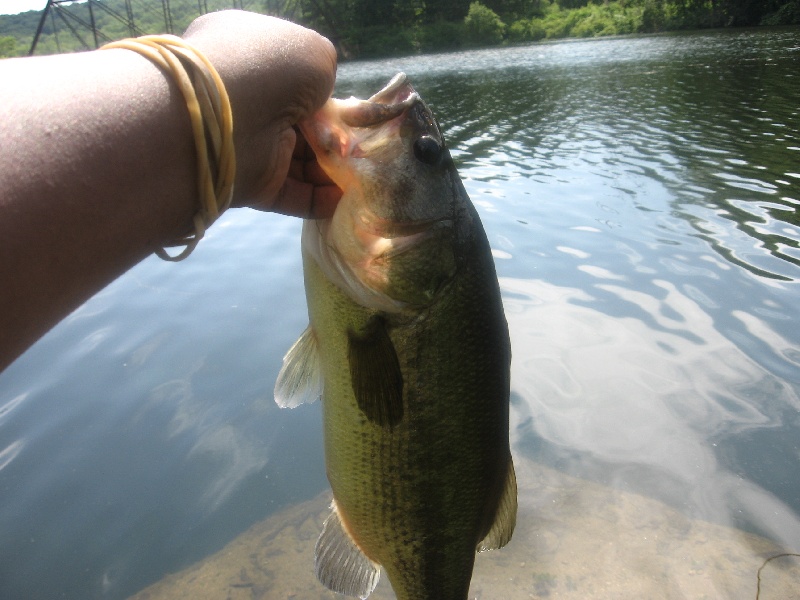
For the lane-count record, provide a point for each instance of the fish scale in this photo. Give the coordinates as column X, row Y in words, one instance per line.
column 408, row 333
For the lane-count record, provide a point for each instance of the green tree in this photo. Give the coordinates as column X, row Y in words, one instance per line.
column 332, row 18
column 483, row 25
column 367, row 13
column 788, row 14
column 572, row 3
column 514, row 9
column 386, row 27
column 653, row 17
column 8, row 46
column 445, row 10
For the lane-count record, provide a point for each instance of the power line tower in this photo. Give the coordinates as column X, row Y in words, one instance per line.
column 79, row 18
column 77, row 24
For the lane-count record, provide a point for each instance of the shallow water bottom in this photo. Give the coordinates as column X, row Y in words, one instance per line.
column 589, row 542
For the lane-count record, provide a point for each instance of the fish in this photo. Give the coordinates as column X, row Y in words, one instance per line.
column 408, row 347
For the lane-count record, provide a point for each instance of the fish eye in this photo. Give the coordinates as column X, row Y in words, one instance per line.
column 427, row 150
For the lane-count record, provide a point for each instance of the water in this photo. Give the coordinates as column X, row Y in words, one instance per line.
column 640, row 196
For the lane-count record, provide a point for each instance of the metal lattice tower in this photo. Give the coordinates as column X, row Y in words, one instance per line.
column 81, row 28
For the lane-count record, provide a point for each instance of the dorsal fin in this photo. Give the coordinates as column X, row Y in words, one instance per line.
column 375, row 373
column 340, row 565
column 506, row 516
column 300, row 379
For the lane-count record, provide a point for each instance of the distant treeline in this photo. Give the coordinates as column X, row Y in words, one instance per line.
column 67, row 27
column 366, row 28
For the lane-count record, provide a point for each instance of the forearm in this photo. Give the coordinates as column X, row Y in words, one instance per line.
column 98, row 161
column 97, row 170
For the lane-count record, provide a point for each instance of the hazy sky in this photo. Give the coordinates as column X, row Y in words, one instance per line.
column 12, row 7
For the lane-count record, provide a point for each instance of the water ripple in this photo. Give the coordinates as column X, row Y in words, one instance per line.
column 623, row 392
column 9, row 453
column 9, row 406
column 719, row 137
column 641, row 199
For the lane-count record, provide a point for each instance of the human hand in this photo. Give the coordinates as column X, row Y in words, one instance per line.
column 276, row 74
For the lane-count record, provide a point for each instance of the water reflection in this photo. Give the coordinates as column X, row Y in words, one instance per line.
column 712, row 122
column 141, row 434
column 640, row 196
column 643, row 403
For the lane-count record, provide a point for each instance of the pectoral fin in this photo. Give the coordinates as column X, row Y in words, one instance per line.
column 339, row 563
column 300, row 379
column 506, row 517
column 375, row 373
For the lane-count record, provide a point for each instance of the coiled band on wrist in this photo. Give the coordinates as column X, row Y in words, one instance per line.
column 212, row 127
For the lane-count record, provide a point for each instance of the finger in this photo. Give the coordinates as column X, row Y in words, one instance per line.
column 313, row 173
column 326, row 198
column 305, row 166
column 278, row 171
column 310, row 172
column 302, row 199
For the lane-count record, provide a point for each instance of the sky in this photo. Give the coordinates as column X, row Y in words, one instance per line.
column 12, row 7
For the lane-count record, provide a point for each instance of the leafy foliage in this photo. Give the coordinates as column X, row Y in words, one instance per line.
column 363, row 28
column 788, row 14
column 483, row 25
column 8, row 46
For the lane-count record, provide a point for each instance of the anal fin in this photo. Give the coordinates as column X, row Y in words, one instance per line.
column 340, row 565
column 506, row 516
column 300, row 378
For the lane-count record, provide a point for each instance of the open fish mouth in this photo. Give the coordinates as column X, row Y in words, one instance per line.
column 396, row 91
column 391, row 102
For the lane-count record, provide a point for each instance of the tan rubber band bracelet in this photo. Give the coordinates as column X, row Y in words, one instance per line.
column 212, row 121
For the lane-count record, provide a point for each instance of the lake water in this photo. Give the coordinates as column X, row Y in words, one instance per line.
column 641, row 198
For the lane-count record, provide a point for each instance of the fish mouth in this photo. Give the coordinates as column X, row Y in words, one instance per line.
column 397, row 91
column 389, row 103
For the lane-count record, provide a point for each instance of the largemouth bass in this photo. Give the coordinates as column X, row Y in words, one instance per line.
column 409, row 348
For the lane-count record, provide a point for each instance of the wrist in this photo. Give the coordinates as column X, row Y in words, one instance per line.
column 209, row 110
